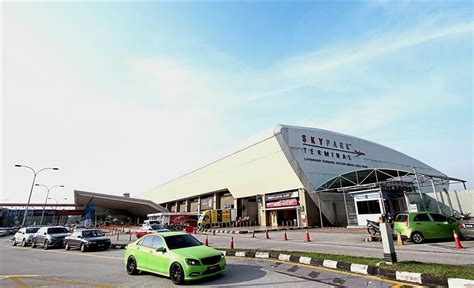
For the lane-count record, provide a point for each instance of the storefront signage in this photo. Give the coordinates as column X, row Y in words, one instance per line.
column 282, row 203
column 280, row 196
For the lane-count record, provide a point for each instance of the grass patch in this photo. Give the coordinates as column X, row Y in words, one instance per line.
column 440, row 270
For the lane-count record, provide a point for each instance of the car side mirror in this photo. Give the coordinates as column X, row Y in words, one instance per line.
column 161, row 249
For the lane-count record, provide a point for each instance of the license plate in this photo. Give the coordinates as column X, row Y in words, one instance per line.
column 213, row 268
column 469, row 225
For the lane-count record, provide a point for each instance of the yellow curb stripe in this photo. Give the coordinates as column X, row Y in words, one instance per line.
column 336, row 271
column 18, row 282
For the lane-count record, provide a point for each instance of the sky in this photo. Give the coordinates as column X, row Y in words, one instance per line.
column 123, row 97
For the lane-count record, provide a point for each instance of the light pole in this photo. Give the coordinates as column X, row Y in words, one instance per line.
column 32, row 185
column 55, row 209
column 47, row 195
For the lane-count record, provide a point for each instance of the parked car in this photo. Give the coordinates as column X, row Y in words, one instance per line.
column 419, row 226
column 466, row 227
column 87, row 239
column 49, row 236
column 177, row 255
column 24, row 236
column 3, row 232
column 148, row 229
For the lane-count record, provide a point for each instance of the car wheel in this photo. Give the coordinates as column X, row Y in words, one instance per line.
column 132, row 266
column 66, row 247
column 14, row 242
column 417, row 237
column 23, row 243
column 177, row 273
column 33, row 243
column 372, row 231
column 83, row 247
column 45, row 244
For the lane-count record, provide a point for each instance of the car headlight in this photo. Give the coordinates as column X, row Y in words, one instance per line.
column 192, row 262
column 222, row 256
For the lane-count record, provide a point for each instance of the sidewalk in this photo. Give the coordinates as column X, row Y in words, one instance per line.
column 260, row 229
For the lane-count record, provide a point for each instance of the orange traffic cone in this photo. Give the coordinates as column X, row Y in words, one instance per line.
column 253, row 234
column 456, row 240
column 231, row 243
column 285, row 237
column 399, row 239
column 266, row 235
column 206, row 242
column 308, row 239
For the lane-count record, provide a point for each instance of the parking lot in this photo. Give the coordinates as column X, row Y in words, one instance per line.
column 28, row 267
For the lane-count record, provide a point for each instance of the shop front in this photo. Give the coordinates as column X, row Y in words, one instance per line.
column 282, row 209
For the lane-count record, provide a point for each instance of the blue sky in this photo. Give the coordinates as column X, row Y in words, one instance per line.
column 145, row 92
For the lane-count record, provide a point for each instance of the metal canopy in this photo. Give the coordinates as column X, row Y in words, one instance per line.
column 134, row 206
column 371, row 178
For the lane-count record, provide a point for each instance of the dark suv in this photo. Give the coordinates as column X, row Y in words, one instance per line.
column 50, row 236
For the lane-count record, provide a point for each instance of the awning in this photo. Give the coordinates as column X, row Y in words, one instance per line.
column 134, row 206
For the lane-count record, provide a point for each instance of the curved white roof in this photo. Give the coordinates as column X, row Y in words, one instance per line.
column 292, row 158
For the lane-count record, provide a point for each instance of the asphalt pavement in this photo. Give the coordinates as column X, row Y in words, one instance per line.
column 26, row 267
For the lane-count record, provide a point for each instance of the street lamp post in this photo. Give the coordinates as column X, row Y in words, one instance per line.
column 55, row 209
column 32, row 185
column 47, row 195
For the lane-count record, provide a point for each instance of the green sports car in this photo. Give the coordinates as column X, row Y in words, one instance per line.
column 177, row 255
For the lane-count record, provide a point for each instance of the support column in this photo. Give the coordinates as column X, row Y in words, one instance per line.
column 419, row 190
column 436, row 195
column 188, row 205
column 345, row 206
column 177, row 206
column 449, row 200
column 215, row 197
column 199, row 205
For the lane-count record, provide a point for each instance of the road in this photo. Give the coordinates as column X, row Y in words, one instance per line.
column 348, row 244
column 27, row 267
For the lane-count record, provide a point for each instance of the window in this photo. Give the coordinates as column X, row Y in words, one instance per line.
column 57, row 230
column 181, row 241
column 422, row 218
column 157, row 242
column 439, row 218
column 147, row 241
column 401, row 218
column 368, row 207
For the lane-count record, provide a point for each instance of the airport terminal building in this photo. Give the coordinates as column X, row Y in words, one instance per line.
column 309, row 177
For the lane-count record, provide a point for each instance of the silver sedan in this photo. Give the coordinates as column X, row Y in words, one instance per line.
column 24, row 236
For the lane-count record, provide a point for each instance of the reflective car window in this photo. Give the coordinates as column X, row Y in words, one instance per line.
column 30, row 230
column 157, row 242
column 181, row 241
column 422, row 218
column 401, row 218
column 147, row 241
column 439, row 218
column 57, row 230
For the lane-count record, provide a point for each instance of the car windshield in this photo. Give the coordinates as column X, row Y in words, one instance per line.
column 31, row 230
column 92, row 233
column 57, row 230
column 156, row 227
column 181, row 241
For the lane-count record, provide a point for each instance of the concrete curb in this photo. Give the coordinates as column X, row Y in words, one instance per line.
column 410, row 277
column 224, row 231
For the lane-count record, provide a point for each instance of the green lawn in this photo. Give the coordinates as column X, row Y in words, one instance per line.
column 443, row 270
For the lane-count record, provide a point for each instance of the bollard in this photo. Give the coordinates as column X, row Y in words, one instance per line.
column 266, row 235
column 118, row 235
column 130, row 235
column 253, row 234
column 286, row 237
column 207, row 241
column 232, row 243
